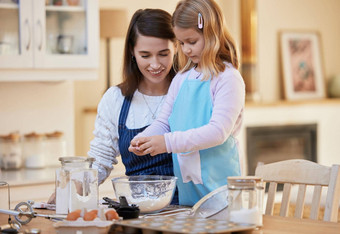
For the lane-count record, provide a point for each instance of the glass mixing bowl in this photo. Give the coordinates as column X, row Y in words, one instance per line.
column 151, row 193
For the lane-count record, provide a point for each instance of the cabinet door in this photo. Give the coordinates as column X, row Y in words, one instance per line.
column 16, row 37
column 66, row 35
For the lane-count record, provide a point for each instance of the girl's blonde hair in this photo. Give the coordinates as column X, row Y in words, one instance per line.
column 219, row 46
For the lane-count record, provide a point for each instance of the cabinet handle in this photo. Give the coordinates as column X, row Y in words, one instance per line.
column 41, row 35
column 27, row 25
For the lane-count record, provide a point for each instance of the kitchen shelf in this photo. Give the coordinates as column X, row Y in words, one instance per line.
column 325, row 101
column 8, row 6
column 65, row 8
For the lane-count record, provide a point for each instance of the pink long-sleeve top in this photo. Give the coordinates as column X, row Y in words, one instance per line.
column 228, row 96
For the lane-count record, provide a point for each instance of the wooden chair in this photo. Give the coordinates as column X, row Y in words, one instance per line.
column 302, row 173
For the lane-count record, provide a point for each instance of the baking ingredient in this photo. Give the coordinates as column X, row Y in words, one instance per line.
column 76, row 185
column 111, row 215
column 147, row 205
column 91, row 215
column 89, row 198
column 62, row 191
column 250, row 216
column 74, row 215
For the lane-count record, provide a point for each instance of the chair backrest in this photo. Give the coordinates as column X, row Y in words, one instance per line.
column 302, row 173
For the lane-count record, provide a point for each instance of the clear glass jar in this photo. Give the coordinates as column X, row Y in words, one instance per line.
column 76, row 185
column 10, row 151
column 56, row 147
column 245, row 197
column 33, row 150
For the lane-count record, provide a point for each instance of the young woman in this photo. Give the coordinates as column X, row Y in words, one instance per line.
column 127, row 109
column 203, row 111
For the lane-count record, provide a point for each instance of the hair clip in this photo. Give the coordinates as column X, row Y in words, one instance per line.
column 200, row 21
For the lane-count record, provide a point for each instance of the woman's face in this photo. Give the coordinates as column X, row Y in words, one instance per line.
column 191, row 41
column 154, row 57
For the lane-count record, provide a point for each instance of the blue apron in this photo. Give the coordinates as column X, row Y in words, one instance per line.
column 192, row 109
column 140, row 165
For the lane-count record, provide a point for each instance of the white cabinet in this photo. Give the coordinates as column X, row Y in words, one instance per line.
column 48, row 40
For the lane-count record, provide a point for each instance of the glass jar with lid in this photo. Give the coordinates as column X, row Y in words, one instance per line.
column 33, row 150
column 56, row 147
column 10, row 151
column 76, row 185
column 245, row 198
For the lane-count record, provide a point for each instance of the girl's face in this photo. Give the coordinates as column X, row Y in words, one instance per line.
column 154, row 57
column 191, row 41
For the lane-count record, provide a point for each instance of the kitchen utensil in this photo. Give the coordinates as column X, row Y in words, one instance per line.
column 23, row 213
column 213, row 205
column 127, row 211
column 151, row 193
column 123, row 209
column 12, row 226
column 178, row 224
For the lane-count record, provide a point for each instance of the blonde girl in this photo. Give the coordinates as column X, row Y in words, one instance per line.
column 203, row 111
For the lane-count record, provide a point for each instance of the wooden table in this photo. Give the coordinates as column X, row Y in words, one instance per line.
column 272, row 225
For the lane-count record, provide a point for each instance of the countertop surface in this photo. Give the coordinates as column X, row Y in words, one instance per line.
column 271, row 225
column 24, row 176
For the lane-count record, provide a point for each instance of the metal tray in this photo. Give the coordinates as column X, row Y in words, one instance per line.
column 177, row 224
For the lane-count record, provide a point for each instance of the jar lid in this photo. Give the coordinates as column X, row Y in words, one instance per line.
column 76, row 159
column 246, row 182
column 14, row 136
column 33, row 135
column 55, row 134
column 244, row 178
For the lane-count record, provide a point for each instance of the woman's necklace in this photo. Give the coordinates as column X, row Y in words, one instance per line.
column 153, row 113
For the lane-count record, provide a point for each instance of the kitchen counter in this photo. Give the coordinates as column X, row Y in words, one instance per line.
column 39, row 184
column 271, row 225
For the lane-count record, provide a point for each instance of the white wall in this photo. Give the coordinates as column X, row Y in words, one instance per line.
column 43, row 107
column 274, row 16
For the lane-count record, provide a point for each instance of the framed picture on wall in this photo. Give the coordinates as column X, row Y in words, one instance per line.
column 303, row 76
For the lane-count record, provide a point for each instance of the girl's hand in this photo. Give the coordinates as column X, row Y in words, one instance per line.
column 134, row 147
column 148, row 145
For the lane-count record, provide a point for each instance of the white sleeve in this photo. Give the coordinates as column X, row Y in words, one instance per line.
column 104, row 147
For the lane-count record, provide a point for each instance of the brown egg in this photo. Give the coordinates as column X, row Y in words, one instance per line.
column 91, row 215
column 74, row 215
column 111, row 214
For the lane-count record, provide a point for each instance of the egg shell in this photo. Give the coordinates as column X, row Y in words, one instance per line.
column 91, row 215
column 74, row 215
column 111, row 215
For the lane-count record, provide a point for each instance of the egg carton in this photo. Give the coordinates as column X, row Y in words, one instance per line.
column 178, row 224
column 97, row 226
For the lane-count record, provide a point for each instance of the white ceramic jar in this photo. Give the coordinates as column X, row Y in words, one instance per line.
column 10, row 151
column 33, row 150
column 55, row 147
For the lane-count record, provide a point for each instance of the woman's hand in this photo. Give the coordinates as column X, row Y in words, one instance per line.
column 152, row 145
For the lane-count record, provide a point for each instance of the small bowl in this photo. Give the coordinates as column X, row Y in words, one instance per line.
column 151, row 193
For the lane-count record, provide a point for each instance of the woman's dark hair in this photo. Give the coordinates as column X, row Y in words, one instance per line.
column 147, row 22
